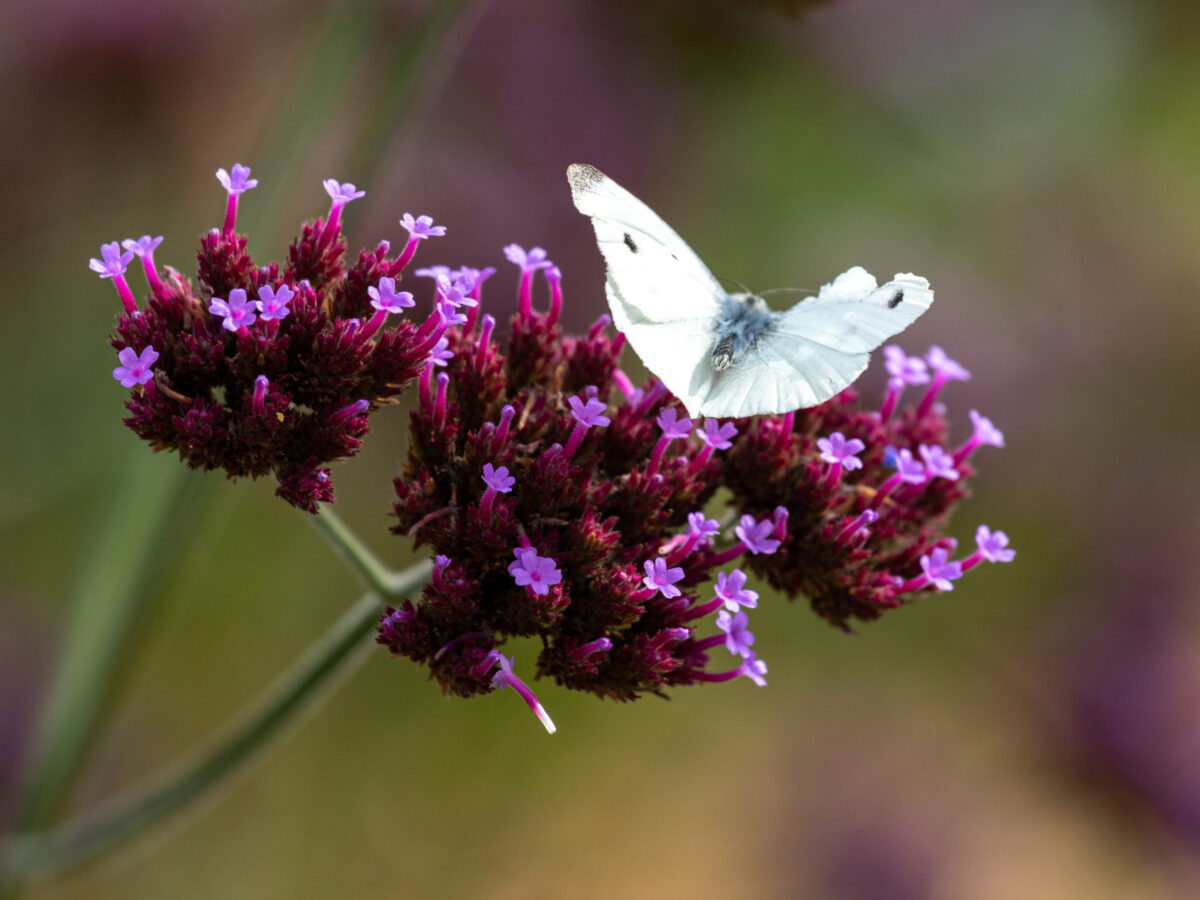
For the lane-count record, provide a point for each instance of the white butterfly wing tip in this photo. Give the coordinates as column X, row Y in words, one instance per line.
column 584, row 178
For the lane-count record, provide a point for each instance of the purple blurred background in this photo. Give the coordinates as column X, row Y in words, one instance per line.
column 1032, row 735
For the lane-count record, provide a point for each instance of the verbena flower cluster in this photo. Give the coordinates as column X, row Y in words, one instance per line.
column 561, row 501
column 565, row 504
column 260, row 369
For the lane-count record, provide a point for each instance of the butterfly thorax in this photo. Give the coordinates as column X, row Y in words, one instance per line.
column 744, row 319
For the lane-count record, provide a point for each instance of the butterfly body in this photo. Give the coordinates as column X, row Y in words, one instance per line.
column 728, row 354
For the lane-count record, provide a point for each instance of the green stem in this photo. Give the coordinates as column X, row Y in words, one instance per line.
column 134, row 544
column 374, row 574
column 310, row 678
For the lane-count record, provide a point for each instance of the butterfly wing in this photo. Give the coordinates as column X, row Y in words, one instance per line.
column 662, row 297
column 818, row 347
column 852, row 315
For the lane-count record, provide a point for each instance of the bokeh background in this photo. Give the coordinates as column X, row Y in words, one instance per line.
column 1034, row 734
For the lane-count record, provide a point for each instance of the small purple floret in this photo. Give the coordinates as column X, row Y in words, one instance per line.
column 239, row 181
column 456, row 291
column 754, row 669
column 498, row 479
column 505, row 677
column 434, row 272
column 589, row 414
column 908, row 369
column 341, row 194
column 113, row 263
column 440, row 354
column 538, row 573
column 739, row 639
column 907, row 468
column 938, row 463
column 716, row 435
column 702, row 526
column 135, row 367
column 993, row 545
column 385, row 298
column 985, row 431
column 672, row 426
column 940, row 570
column 236, row 312
column 143, row 246
column 534, row 258
column 272, row 303
column 837, row 450
column 662, row 579
column 421, row 227
column 731, row 591
column 947, row 368
column 757, row 536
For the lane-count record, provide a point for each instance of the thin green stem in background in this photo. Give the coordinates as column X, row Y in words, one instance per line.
column 139, row 533
column 350, row 548
column 338, row 652
column 151, row 514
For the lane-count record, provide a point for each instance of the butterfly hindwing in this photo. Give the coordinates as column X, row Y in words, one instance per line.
column 852, row 315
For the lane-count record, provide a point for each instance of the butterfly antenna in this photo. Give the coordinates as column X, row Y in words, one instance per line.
column 788, row 290
column 735, row 282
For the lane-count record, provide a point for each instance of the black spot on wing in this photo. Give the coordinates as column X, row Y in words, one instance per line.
column 896, row 298
column 630, row 244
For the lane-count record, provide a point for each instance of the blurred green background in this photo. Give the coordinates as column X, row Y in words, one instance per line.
column 1034, row 734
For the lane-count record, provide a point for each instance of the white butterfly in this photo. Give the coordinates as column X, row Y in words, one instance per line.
column 729, row 355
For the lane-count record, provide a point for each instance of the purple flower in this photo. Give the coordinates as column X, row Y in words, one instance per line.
column 528, row 261
column 660, row 578
column 239, row 182
column 908, row 369
column 993, row 545
column 114, row 262
column 236, row 312
column 440, row 354
column 757, row 536
column 272, row 303
column 456, row 292
column 739, row 639
column 907, row 468
column 441, row 561
column 754, row 669
column 143, row 246
column 716, row 435
column 985, row 431
column 421, row 227
column 505, row 677
column 537, row 573
column 435, row 272
column 498, row 479
column 475, row 276
column 672, row 426
column 836, row 450
column 946, row 368
column 938, row 463
column 588, row 414
column 135, row 367
column 702, row 526
column 450, row 314
column 386, row 299
column 939, row 570
column 731, row 591
column 341, row 194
